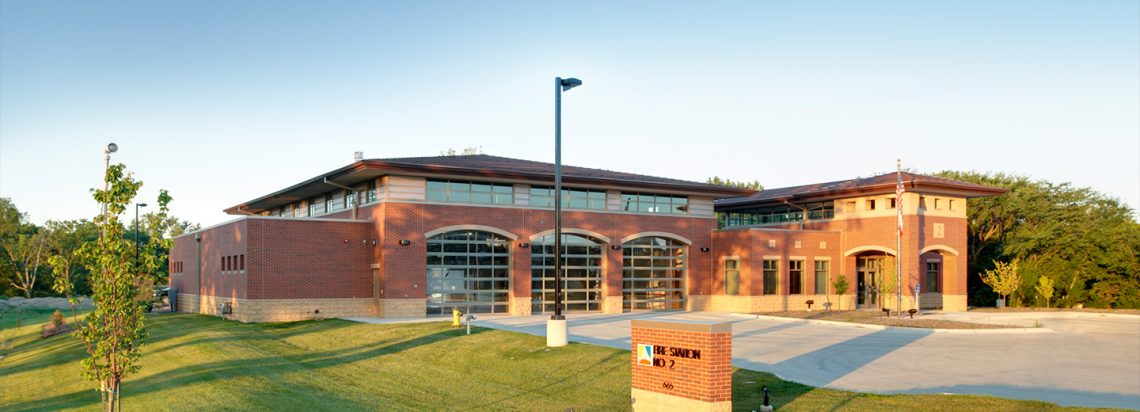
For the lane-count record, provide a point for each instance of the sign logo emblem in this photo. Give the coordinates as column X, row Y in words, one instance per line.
column 644, row 354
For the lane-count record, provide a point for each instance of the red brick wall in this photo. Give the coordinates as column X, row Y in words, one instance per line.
column 227, row 239
column 751, row 245
column 708, row 379
column 918, row 234
column 183, row 252
column 309, row 259
column 404, row 266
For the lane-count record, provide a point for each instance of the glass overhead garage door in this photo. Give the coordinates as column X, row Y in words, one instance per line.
column 653, row 274
column 469, row 270
column 581, row 273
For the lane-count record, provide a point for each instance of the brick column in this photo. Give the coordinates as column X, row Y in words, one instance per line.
column 681, row 366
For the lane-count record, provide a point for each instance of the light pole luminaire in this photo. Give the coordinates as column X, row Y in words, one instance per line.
column 556, row 330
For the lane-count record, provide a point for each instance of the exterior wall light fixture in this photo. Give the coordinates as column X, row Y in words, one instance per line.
column 405, row 242
column 615, row 247
column 705, row 249
column 524, row 245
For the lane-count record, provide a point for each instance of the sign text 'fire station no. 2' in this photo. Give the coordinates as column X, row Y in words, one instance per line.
column 647, row 355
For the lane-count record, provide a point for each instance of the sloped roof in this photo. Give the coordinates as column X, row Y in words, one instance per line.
column 476, row 166
column 499, row 164
column 884, row 183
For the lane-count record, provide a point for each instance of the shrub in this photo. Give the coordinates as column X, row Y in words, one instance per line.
column 57, row 318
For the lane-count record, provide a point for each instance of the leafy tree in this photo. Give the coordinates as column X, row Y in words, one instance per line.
column 1044, row 289
column 67, row 237
column 1087, row 243
column 1003, row 278
column 840, row 287
column 13, row 227
column 716, row 180
column 25, row 254
column 113, row 332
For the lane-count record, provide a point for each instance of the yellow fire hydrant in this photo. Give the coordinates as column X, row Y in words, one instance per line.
column 455, row 317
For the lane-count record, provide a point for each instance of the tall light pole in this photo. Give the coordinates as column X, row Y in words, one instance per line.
column 107, row 150
column 556, row 331
column 137, row 206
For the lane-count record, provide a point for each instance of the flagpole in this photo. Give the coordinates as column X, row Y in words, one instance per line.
column 898, row 238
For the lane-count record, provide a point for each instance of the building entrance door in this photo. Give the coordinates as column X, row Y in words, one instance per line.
column 866, row 293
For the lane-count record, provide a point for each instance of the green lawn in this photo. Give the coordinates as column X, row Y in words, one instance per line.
column 200, row 363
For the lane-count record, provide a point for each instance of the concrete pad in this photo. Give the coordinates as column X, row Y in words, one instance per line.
column 1085, row 361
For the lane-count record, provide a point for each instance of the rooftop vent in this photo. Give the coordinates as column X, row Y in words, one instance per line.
column 358, row 155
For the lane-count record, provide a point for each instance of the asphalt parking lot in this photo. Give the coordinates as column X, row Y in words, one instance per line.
column 1080, row 359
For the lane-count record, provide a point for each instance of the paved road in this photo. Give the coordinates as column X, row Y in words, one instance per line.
column 1086, row 360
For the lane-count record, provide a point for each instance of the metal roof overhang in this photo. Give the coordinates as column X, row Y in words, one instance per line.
column 940, row 188
column 370, row 169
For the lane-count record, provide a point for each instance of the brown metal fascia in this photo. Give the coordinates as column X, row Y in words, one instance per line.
column 716, row 191
column 433, row 169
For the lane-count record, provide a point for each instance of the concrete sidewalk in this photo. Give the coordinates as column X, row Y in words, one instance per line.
column 1086, row 361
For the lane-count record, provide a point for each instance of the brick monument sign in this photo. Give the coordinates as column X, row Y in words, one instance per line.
column 683, row 366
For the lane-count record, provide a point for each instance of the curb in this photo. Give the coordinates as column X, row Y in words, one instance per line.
column 885, row 327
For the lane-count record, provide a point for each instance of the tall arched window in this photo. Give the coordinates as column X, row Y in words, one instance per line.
column 581, row 273
column 469, row 270
column 653, row 273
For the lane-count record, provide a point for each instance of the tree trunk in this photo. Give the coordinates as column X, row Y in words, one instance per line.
column 113, row 397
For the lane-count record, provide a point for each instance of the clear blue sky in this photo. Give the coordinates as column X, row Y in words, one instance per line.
column 222, row 101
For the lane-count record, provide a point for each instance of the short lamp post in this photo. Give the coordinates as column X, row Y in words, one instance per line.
column 556, row 330
column 137, row 206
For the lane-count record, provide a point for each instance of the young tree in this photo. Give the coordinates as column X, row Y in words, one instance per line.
column 1044, row 289
column 886, row 283
column 840, row 287
column 1003, row 278
column 113, row 332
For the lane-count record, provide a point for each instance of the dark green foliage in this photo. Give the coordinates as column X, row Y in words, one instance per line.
column 716, row 180
column 65, row 237
column 1086, row 242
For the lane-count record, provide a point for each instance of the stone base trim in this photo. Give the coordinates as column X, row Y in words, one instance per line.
column 954, row 303
column 612, row 304
column 646, row 401
column 403, row 308
column 520, row 306
column 929, row 300
column 277, row 310
column 768, row 303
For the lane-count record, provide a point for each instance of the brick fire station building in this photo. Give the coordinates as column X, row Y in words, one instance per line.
column 414, row 237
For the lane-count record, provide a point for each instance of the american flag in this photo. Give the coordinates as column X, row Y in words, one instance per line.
column 899, row 190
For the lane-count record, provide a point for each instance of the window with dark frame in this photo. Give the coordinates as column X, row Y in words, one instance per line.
column 933, row 277
column 478, row 193
column 822, row 276
column 654, row 203
column 572, row 198
column 795, row 277
column 732, row 276
column 370, row 193
column 771, row 276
